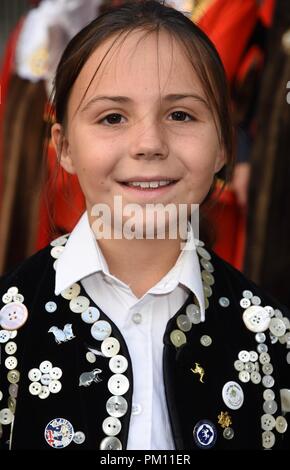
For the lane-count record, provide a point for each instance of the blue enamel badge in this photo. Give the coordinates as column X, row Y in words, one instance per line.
column 205, row 434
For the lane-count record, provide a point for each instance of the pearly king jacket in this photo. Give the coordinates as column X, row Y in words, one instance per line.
column 223, row 389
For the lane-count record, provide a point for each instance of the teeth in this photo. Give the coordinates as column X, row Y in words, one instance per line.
column 149, row 184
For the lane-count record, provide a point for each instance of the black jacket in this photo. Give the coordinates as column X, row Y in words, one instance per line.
column 189, row 400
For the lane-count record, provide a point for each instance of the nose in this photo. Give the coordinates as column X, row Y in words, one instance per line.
column 149, row 142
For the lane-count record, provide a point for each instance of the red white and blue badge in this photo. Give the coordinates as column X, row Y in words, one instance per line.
column 59, row 433
column 205, row 434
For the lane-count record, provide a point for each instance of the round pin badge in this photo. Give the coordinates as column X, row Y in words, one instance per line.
column 205, row 434
column 59, row 433
column 233, row 395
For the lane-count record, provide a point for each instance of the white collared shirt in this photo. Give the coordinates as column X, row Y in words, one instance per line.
column 82, row 260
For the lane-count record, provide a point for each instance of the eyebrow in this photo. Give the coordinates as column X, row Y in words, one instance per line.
column 125, row 99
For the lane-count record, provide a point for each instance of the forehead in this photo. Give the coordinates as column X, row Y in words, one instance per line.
column 142, row 64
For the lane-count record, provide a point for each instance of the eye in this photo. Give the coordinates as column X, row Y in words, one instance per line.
column 112, row 119
column 181, row 115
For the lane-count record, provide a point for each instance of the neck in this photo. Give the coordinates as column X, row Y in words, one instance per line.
column 140, row 263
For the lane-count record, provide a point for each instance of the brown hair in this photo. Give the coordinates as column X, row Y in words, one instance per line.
column 149, row 16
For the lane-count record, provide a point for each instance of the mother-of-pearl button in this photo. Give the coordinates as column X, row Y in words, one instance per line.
column 277, row 327
column 118, row 364
column 111, row 426
column 101, row 329
column 110, row 347
column 90, row 315
column 79, row 304
column 71, row 292
column 117, row 406
column 118, row 384
column 56, row 251
column 13, row 316
column 256, row 319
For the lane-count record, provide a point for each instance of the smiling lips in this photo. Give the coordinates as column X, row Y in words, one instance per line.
column 141, row 183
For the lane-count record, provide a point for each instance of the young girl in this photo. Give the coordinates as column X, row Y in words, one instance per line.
column 135, row 342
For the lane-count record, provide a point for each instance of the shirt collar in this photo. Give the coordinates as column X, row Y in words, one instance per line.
column 82, row 257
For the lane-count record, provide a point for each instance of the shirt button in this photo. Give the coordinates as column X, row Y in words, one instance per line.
column 239, row 365
column 118, row 364
column 206, row 340
column 13, row 316
column 277, row 327
column 79, row 437
column 101, row 330
column 13, row 290
column 268, row 394
column 59, row 241
column 13, row 376
column 7, row 298
column 177, row 338
column 253, row 356
column 34, row 375
column 71, row 292
column 13, row 390
column 55, row 373
column 44, row 392
column 268, row 439
column 79, row 304
column 45, row 367
column 136, row 409
column 247, row 294
column 50, row 307
column 270, row 407
column 11, row 362
column 193, row 313
column 256, row 319
column 264, row 358
column 118, row 384
column 244, row 356
column 56, row 251
column 183, row 323
column 267, row 422
column 224, row 302
column 117, row 406
column 245, row 303
column 91, row 358
column 111, row 426
column 18, row 298
column 91, row 315
column 268, row 381
column 45, row 379
column 256, row 377
column 35, row 388
column 111, row 443
column 4, row 336
column 54, row 386
column 244, row 376
column 110, row 347
column 281, row 424
column 137, row 318
column 6, row 416
column 11, row 347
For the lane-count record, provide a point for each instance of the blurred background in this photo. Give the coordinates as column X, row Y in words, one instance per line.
column 251, row 217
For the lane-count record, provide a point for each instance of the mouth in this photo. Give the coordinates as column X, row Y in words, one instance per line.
column 147, row 187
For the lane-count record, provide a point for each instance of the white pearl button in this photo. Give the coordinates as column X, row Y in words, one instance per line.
column 91, row 315
column 256, row 319
column 118, row 384
column 101, row 329
column 13, row 316
column 110, row 347
column 71, row 292
column 79, row 304
column 118, row 364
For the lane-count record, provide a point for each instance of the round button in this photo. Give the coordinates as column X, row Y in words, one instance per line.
column 59, row 241
column 256, row 319
column 71, row 292
column 13, row 290
column 207, row 290
column 56, row 251
column 91, row 315
column 7, row 298
column 13, row 376
column 183, row 323
column 111, row 426
column 117, row 406
column 4, row 336
column 54, row 386
column 101, row 330
column 118, row 364
column 267, row 422
column 44, row 392
column 136, row 409
column 79, row 437
column 13, row 316
column 137, row 318
column 245, row 303
column 13, row 390
column 260, row 337
column 79, row 304
column 247, row 294
column 264, row 358
column 55, row 373
column 193, row 313
column 111, row 443
column 268, row 394
column 244, row 356
column 203, row 253
column 207, row 265
column 233, row 395
column 268, row 381
column 34, row 375
column 277, row 327
column 18, row 298
column 118, row 384
column 13, row 334
column 11, row 362
column 244, row 376
column 256, row 377
column 177, row 338
column 228, row 433
column 11, row 404
column 267, row 369
column 110, row 347
column 91, row 358
column 270, row 407
column 239, row 365
column 45, row 379
column 35, row 388
column 268, row 439
column 253, row 356
column 281, row 424
column 50, row 307
column 270, row 310
column 224, row 302
column 206, row 340
column 45, row 367
column 6, row 416
column 207, row 277
column 262, row 348
column 256, row 300
column 11, row 347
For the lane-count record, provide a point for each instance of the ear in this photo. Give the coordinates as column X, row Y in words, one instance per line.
column 220, row 160
column 61, row 146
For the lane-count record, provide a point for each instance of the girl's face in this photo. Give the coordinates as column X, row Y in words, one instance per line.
column 145, row 116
